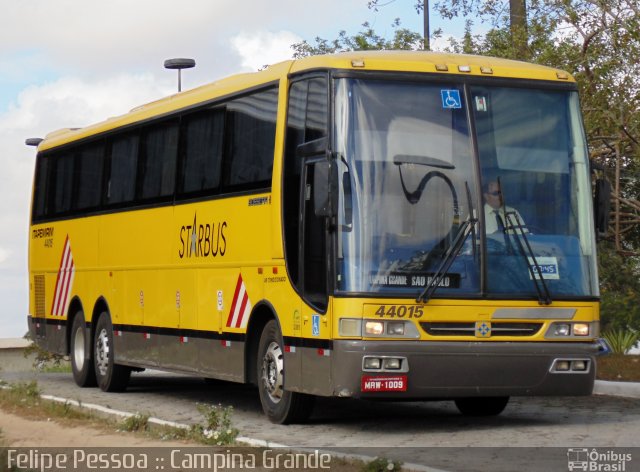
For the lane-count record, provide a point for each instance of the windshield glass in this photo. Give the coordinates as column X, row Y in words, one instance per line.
column 534, row 170
column 407, row 179
column 406, row 163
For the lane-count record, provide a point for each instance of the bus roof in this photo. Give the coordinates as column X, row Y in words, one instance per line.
column 400, row 61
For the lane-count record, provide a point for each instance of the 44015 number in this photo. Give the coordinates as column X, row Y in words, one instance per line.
column 400, row 311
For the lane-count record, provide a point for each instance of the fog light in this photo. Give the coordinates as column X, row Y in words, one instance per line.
column 579, row 365
column 371, row 363
column 581, row 329
column 562, row 330
column 375, row 328
column 391, row 364
column 396, row 328
column 562, row 366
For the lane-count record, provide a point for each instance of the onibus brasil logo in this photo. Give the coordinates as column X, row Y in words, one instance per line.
column 583, row 458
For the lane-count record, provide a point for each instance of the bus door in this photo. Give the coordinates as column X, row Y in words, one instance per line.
column 314, row 257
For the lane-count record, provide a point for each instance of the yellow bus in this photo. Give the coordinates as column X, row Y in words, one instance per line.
column 382, row 225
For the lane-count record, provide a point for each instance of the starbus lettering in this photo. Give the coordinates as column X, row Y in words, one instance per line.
column 202, row 240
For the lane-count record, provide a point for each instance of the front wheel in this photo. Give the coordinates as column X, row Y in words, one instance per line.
column 482, row 406
column 81, row 355
column 111, row 377
column 281, row 406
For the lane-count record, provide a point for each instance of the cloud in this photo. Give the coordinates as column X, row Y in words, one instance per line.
column 264, row 48
column 66, row 102
column 70, row 63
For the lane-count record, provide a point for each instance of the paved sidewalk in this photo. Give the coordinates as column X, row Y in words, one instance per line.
column 618, row 389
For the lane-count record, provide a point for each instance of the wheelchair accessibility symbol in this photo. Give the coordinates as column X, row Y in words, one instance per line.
column 451, row 99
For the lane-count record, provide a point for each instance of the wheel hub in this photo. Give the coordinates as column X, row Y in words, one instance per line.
column 78, row 349
column 102, row 352
column 272, row 372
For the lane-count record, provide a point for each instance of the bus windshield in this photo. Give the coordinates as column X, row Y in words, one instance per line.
column 412, row 187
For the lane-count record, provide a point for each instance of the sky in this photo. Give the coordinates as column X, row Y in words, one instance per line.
column 70, row 63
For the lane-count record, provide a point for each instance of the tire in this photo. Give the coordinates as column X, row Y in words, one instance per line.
column 81, row 353
column 281, row 406
column 482, row 406
column 111, row 377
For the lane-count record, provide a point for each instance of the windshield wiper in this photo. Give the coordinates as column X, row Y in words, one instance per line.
column 515, row 224
column 469, row 226
column 517, row 229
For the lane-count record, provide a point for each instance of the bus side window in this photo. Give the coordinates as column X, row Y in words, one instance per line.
column 202, row 147
column 250, row 141
column 89, row 171
column 63, row 182
column 123, row 164
column 157, row 166
column 41, row 188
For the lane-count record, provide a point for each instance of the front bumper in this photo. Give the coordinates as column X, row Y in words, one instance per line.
column 465, row 369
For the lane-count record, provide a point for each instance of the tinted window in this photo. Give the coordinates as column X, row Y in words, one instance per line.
column 40, row 189
column 306, row 121
column 89, row 169
column 251, row 137
column 158, row 168
column 63, row 182
column 123, row 167
column 203, row 146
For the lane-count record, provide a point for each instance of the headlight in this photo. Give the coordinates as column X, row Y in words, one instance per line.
column 374, row 328
column 395, row 328
column 562, row 330
column 581, row 329
column 572, row 330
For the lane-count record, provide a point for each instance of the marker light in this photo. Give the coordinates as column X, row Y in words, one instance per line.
column 464, row 68
column 486, row 70
column 375, row 328
column 581, row 329
column 350, row 327
column 442, row 67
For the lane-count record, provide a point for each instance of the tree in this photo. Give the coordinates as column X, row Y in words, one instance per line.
column 367, row 39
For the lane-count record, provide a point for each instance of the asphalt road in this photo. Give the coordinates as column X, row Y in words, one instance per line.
column 432, row 434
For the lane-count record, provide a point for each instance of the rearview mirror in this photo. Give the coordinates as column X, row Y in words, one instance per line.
column 601, row 206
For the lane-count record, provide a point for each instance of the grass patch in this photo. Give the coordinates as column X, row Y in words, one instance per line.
column 24, row 399
column 619, row 367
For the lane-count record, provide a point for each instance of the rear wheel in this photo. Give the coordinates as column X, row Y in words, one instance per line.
column 111, row 377
column 81, row 354
column 280, row 405
column 482, row 406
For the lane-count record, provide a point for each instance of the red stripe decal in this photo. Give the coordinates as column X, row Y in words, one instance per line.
column 235, row 300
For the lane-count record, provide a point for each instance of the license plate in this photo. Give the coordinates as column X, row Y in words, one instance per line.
column 373, row 383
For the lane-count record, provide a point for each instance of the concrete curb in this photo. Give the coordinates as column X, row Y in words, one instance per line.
column 617, row 389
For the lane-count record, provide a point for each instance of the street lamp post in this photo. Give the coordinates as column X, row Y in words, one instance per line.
column 425, row 12
column 179, row 64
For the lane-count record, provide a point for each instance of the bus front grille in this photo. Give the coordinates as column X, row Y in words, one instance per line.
column 469, row 328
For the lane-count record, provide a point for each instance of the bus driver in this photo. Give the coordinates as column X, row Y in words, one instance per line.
column 496, row 213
